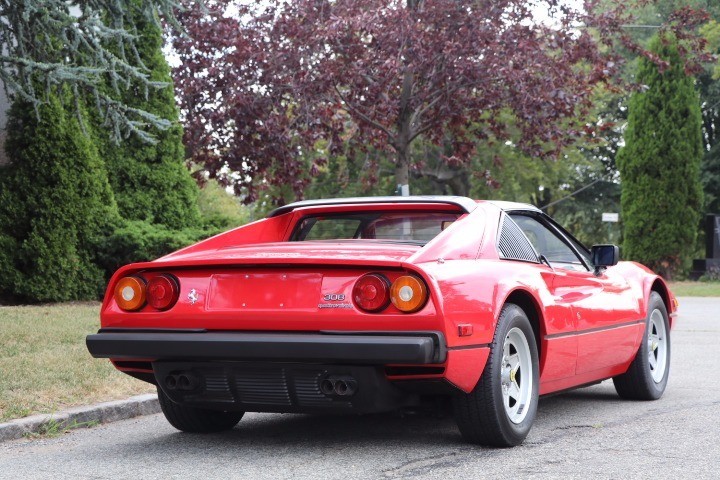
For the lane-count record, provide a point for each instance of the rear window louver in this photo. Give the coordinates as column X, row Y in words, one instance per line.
column 513, row 244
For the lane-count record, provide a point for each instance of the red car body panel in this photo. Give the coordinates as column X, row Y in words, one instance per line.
column 253, row 279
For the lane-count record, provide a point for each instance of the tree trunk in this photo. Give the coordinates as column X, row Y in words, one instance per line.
column 403, row 138
column 402, row 173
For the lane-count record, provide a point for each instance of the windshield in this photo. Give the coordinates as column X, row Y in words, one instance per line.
column 415, row 227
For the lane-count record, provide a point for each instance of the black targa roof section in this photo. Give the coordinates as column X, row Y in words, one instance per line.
column 467, row 204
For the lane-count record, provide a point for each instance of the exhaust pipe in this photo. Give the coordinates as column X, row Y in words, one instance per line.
column 182, row 381
column 344, row 386
column 186, row 382
column 327, row 386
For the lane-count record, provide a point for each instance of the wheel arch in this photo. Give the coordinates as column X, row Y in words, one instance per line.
column 529, row 304
column 658, row 285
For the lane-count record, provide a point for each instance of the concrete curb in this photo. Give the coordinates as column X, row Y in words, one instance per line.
column 101, row 413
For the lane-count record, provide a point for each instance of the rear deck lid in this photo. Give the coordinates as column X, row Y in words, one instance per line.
column 335, row 252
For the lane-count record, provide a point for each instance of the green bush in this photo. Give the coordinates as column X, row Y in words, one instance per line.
column 138, row 241
column 151, row 181
column 55, row 206
column 221, row 210
column 141, row 241
column 660, row 164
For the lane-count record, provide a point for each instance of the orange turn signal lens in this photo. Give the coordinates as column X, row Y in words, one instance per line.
column 130, row 293
column 408, row 293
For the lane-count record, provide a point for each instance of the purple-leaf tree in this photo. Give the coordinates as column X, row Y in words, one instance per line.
column 262, row 86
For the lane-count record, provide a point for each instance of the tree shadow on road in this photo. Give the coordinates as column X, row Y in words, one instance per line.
column 389, row 428
column 577, row 408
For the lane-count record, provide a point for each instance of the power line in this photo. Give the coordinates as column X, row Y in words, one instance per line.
column 574, row 193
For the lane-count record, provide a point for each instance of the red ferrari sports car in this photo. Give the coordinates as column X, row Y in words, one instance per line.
column 365, row 305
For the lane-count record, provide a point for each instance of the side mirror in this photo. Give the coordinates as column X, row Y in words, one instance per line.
column 604, row 256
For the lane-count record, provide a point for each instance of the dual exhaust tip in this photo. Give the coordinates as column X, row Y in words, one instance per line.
column 339, row 386
column 181, row 381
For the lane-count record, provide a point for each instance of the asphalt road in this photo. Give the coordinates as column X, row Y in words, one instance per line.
column 585, row 433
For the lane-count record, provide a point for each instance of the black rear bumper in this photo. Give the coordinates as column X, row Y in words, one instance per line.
column 362, row 348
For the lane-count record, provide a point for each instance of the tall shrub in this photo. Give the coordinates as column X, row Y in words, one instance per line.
column 55, row 206
column 660, row 163
column 150, row 181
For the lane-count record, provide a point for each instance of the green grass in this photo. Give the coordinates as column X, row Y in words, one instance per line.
column 44, row 363
column 695, row 289
column 53, row 428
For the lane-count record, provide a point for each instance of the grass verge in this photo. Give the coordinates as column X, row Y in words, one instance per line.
column 53, row 428
column 44, row 363
column 695, row 289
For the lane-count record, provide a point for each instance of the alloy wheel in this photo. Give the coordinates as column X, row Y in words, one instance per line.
column 516, row 375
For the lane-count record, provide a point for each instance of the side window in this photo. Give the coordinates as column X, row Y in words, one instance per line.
column 549, row 244
column 512, row 244
column 584, row 253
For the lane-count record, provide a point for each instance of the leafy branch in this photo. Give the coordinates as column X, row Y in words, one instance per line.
column 88, row 47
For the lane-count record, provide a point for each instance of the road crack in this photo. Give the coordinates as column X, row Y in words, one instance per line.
column 415, row 467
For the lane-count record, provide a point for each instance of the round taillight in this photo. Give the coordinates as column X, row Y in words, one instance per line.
column 162, row 292
column 408, row 293
column 372, row 292
column 130, row 293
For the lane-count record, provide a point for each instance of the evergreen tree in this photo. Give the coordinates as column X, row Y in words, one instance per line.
column 55, row 206
column 709, row 86
column 75, row 43
column 150, row 181
column 660, row 163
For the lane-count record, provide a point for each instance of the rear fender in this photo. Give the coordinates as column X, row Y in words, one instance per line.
column 468, row 293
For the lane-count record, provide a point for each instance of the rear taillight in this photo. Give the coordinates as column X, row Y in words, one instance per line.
column 408, row 293
column 372, row 292
column 130, row 293
column 162, row 292
column 133, row 293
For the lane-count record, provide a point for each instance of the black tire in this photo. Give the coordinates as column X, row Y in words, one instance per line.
column 196, row 420
column 638, row 382
column 481, row 415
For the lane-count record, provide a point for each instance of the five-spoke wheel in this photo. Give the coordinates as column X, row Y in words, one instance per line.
column 657, row 345
column 516, row 375
column 647, row 375
column 501, row 408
